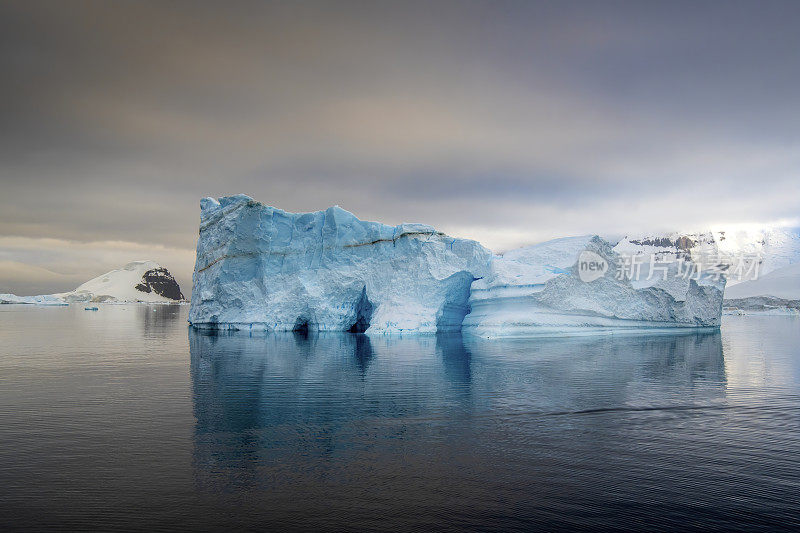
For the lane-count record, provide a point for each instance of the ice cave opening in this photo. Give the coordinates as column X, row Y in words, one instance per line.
column 364, row 310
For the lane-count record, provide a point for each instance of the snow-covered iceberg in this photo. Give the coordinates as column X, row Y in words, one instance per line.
column 136, row 282
column 42, row 299
column 542, row 290
column 259, row 267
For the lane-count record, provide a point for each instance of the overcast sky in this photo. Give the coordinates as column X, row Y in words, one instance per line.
column 508, row 122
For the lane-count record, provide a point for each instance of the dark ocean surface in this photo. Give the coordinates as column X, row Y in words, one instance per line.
column 126, row 419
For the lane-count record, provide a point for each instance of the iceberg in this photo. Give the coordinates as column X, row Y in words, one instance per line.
column 545, row 290
column 262, row 268
column 43, row 299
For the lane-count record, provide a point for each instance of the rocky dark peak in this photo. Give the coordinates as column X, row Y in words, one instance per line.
column 161, row 282
column 685, row 243
column 681, row 243
column 662, row 242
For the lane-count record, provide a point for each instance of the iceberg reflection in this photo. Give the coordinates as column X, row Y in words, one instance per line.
column 282, row 409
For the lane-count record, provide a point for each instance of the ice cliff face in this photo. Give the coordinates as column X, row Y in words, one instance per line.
column 539, row 290
column 263, row 268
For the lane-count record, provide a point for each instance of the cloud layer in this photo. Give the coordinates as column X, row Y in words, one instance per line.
column 510, row 122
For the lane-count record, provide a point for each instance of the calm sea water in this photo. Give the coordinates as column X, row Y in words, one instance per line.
column 124, row 418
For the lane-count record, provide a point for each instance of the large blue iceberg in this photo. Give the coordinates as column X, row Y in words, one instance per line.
column 261, row 268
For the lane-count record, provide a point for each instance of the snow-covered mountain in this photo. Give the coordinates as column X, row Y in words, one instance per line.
column 753, row 251
column 138, row 281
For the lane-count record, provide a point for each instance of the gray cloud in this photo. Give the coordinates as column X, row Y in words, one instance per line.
column 508, row 121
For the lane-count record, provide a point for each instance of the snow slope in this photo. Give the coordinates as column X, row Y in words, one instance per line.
column 259, row 267
column 781, row 283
